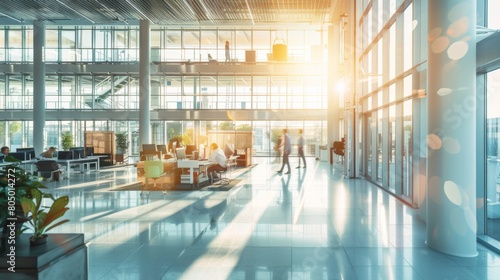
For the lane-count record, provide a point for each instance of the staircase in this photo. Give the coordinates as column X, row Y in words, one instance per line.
column 104, row 90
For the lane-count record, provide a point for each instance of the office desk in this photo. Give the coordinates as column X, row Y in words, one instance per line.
column 82, row 162
column 193, row 165
column 24, row 163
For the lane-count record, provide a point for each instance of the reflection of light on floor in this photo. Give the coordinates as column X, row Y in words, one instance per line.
column 93, row 183
column 226, row 248
column 114, row 187
column 134, row 220
column 108, row 170
column 302, row 196
column 341, row 207
column 89, row 217
column 383, row 224
column 154, row 211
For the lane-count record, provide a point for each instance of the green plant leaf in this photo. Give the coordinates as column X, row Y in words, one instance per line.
column 57, row 224
column 42, row 217
column 57, row 210
column 28, row 205
column 52, row 216
column 37, row 195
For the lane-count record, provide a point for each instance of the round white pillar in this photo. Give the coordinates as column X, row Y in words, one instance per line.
column 451, row 181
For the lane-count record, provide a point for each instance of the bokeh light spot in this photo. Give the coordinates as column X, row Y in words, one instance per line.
column 434, row 34
column 451, row 145
column 458, row 50
column 440, row 44
column 458, row 11
column 452, row 192
column 458, row 27
column 434, row 142
column 444, row 91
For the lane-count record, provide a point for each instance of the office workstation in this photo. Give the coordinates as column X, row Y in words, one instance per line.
column 76, row 156
column 184, row 168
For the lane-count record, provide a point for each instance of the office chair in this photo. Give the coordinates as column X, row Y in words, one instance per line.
column 224, row 179
column 339, row 149
column 153, row 169
column 48, row 169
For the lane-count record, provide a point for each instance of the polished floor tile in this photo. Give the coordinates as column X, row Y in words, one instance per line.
column 311, row 224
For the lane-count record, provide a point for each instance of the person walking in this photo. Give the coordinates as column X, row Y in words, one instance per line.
column 228, row 57
column 300, row 144
column 287, row 148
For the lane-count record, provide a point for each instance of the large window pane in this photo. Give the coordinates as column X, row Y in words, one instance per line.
column 493, row 18
column 493, row 154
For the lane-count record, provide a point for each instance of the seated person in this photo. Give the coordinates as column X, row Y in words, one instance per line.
column 49, row 153
column 218, row 157
column 5, row 150
column 210, row 58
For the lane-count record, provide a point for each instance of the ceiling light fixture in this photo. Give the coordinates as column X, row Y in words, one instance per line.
column 13, row 18
column 140, row 12
column 62, row 3
column 250, row 12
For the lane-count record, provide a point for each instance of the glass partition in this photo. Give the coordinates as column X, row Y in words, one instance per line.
column 493, row 154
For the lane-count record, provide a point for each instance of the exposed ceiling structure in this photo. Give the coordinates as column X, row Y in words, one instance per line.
column 167, row 12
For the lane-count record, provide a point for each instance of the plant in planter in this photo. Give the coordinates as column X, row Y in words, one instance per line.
column 122, row 144
column 39, row 220
column 67, row 140
column 15, row 184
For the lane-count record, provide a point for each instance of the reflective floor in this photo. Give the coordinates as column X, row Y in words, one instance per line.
column 312, row 224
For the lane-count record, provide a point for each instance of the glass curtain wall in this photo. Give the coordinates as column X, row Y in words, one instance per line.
column 493, row 154
column 117, row 91
column 386, row 94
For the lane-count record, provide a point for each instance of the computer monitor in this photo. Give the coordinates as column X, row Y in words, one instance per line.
column 229, row 150
column 148, row 147
column 89, row 151
column 64, row 155
column 180, row 153
column 30, row 152
column 19, row 155
column 161, row 148
column 78, row 152
column 190, row 149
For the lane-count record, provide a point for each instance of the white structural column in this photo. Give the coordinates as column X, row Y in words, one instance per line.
column 38, row 86
column 333, row 74
column 144, row 84
column 451, row 181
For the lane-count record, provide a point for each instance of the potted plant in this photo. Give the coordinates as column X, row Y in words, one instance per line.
column 40, row 220
column 67, row 140
column 15, row 184
column 122, row 144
